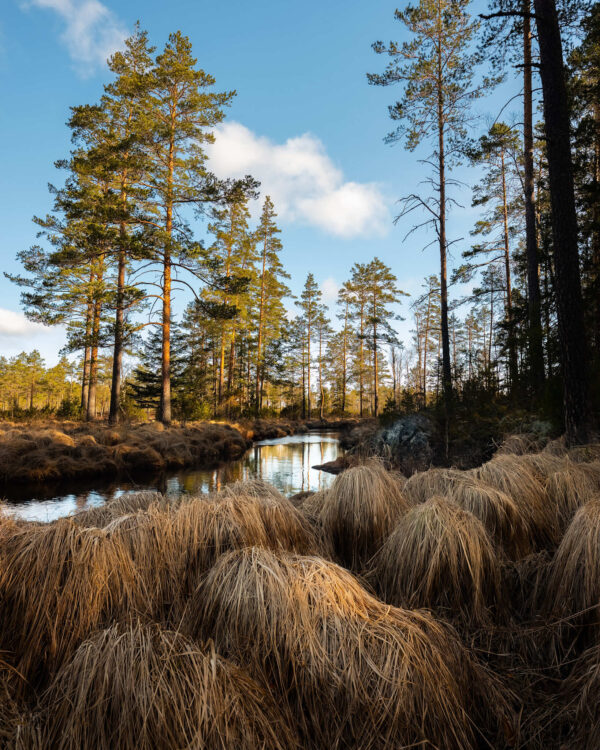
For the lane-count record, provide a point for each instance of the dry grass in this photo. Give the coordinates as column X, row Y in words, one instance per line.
column 68, row 450
column 102, row 515
column 571, row 487
column 426, row 484
column 513, row 476
column 440, row 556
column 359, row 511
column 140, row 687
column 58, row 582
column 574, row 583
column 497, row 512
column 520, row 444
column 356, row 673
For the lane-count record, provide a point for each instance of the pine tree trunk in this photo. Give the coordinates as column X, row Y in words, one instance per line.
column 95, row 340
column 534, row 333
column 512, row 350
column 446, row 371
column 260, row 326
column 85, row 376
column 165, row 400
column 115, row 388
column 569, row 302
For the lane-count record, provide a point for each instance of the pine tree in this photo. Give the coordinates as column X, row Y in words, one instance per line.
column 312, row 308
column 182, row 110
column 270, row 288
column 436, row 73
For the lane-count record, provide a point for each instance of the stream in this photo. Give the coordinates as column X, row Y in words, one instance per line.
column 284, row 462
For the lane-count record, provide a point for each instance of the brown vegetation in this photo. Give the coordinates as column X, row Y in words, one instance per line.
column 72, row 450
column 344, row 654
column 141, row 686
column 440, row 556
column 93, row 607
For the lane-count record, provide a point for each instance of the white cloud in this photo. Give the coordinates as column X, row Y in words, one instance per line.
column 329, row 290
column 304, row 183
column 16, row 324
column 92, row 32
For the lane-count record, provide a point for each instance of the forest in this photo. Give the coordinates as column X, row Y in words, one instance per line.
column 242, row 512
column 118, row 247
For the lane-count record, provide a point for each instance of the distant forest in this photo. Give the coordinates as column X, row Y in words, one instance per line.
column 121, row 242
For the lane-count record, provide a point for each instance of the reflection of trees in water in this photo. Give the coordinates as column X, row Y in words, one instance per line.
column 287, row 465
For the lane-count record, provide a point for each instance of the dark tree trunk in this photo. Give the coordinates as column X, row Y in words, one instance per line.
column 534, row 334
column 115, row 388
column 569, row 303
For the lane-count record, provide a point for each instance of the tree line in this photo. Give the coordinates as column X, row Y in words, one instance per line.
column 119, row 241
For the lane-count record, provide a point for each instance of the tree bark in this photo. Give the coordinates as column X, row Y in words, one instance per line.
column 534, row 310
column 569, row 302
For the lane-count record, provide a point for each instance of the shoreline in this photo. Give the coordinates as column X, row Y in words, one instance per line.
column 60, row 452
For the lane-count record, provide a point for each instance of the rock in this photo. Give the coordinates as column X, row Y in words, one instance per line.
column 341, row 463
column 408, row 442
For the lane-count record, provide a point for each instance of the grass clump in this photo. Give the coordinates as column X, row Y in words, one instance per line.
column 359, row 511
column 356, row 673
column 58, row 582
column 513, row 476
column 573, row 590
column 440, row 556
column 141, row 687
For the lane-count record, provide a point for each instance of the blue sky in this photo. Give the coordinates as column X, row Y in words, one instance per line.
column 304, row 121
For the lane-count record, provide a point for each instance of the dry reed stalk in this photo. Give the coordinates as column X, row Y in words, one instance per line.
column 127, row 503
column 513, row 476
column 571, row 487
column 140, row 687
column 574, row 583
column 357, row 673
column 424, row 485
column 519, row 444
column 496, row 511
column 58, row 583
column 440, row 556
column 359, row 511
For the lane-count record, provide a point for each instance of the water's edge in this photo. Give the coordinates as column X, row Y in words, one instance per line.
column 285, row 462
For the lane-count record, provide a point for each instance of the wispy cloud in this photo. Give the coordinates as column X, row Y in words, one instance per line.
column 303, row 181
column 15, row 324
column 329, row 290
column 92, row 31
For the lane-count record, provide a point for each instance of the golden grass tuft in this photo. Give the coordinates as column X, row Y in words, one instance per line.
column 356, row 673
column 58, row 582
column 519, row 444
column 517, row 479
column 440, row 556
column 571, row 487
column 574, row 582
column 497, row 512
column 140, row 687
column 424, row 485
column 128, row 502
column 359, row 511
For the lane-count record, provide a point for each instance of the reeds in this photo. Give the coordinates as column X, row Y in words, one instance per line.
column 58, row 582
column 359, row 511
column 440, row 556
column 140, row 687
column 356, row 673
column 513, row 476
column 573, row 591
column 497, row 512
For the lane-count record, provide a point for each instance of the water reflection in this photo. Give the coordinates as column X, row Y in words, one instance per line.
column 285, row 462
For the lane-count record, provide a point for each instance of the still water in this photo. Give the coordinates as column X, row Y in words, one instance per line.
column 285, row 463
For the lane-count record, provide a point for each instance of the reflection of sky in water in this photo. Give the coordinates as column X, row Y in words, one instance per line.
column 285, row 462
